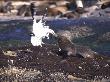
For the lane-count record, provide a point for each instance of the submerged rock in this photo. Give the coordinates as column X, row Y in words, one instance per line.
column 105, row 37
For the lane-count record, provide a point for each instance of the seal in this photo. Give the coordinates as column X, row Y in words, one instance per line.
column 71, row 49
column 85, row 51
column 66, row 46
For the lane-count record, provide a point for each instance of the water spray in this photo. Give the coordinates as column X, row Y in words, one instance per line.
column 40, row 31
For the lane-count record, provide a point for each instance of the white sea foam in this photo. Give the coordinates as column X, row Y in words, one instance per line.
column 40, row 30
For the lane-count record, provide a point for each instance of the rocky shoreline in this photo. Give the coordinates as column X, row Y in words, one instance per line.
column 57, row 9
column 28, row 63
column 46, row 60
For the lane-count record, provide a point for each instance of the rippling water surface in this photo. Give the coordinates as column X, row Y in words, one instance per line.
column 17, row 32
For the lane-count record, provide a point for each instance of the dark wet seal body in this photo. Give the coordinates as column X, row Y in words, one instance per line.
column 84, row 51
column 66, row 46
column 70, row 49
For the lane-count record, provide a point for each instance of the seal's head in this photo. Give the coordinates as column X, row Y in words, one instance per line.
column 66, row 46
column 63, row 41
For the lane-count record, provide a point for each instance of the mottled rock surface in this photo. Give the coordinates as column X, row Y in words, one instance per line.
column 46, row 60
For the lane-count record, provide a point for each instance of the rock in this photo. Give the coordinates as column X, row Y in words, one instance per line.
column 24, row 10
column 105, row 5
column 74, row 78
column 57, row 10
column 10, row 53
column 91, row 11
column 48, row 66
column 70, row 14
column 78, row 32
column 6, row 7
column 105, row 37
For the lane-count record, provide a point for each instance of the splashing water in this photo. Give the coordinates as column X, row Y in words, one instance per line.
column 40, row 31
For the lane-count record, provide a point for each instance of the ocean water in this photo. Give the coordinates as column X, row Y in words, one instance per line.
column 17, row 32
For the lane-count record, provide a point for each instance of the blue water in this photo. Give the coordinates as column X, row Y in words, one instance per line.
column 20, row 30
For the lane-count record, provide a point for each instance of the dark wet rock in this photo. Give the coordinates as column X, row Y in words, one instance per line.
column 72, row 33
column 70, row 14
column 105, row 5
column 81, row 31
column 30, row 10
column 49, row 63
column 24, row 10
column 91, row 11
column 103, row 13
column 76, row 32
column 96, row 11
column 57, row 10
column 64, row 9
column 105, row 37
column 6, row 8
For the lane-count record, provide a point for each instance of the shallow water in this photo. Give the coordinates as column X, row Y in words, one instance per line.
column 16, row 32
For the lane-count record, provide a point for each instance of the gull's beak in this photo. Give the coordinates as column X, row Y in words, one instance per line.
column 32, row 34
